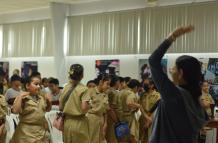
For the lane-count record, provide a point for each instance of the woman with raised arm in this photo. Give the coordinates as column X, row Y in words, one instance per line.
column 179, row 116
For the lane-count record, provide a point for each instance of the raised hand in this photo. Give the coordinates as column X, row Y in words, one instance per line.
column 180, row 31
column 24, row 94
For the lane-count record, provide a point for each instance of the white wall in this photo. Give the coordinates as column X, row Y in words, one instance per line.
column 128, row 64
column 46, row 65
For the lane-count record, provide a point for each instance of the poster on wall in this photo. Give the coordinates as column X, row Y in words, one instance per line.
column 144, row 68
column 28, row 68
column 4, row 67
column 210, row 72
column 107, row 66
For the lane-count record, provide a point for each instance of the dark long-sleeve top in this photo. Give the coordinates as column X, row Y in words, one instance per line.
column 178, row 118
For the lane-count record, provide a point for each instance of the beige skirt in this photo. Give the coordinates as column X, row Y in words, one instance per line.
column 76, row 130
column 28, row 133
column 95, row 126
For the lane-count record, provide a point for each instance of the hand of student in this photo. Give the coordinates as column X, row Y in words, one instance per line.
column 104, row 129
column 1, row 129
column 180, row 31
column 148, row 122
column 133, row 105
column 24, row 94
column 48, row 97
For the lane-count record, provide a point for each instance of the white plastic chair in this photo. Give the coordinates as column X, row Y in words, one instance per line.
column 9, row 125
column 56, row 135
column 15, row 118
column 211, row 136
column 55, row 107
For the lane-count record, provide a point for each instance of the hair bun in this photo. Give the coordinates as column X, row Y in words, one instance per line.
column 76, row 70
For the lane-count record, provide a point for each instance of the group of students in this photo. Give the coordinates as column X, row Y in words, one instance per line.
column 92, row 111
column 176, row 109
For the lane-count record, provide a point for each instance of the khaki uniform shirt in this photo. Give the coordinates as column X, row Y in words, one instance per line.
column 73, row 105
column 148, row 100
column 207, row 98
column 31, row 127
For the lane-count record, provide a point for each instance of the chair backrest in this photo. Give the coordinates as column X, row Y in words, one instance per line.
column 10, row 128
column 55, row 107
column 15, row 118
column 56, row 135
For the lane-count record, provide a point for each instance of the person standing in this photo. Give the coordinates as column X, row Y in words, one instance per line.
column 179, row 116
column 3, row 113
column 76, row 128
column 114, row 110
column 148, row 100
column 207, row 102
column 31, row 107
column 97, row 115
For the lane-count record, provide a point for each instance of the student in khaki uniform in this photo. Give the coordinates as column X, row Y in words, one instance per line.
column 113, row 97
column 123, row 82
column 75, row 123
column 147, row 100
column 3, row 112
column 91, row 84
column 31, row 107
column 206, row 101
column 97, row 114
column 130, row 106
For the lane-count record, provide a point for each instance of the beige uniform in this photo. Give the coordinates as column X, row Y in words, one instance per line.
column 128, row 115
column 75, row 124
column 147, row 101
column 99, row 106
column 3, row 112
column 113, row 98
column 31, row 128
column 207, row 98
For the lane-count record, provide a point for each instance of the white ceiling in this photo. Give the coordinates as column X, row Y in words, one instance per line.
column 8, row 6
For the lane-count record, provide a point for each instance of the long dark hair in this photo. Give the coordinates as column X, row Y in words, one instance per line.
column 191, row 68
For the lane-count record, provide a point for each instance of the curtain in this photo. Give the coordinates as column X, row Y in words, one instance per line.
column 141, row 31
column 1, row 40
column 27, row 39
